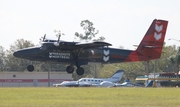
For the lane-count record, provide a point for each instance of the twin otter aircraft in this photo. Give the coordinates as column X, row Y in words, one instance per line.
column 77, row 53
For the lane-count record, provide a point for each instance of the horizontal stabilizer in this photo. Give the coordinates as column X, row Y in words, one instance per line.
column 153, row 46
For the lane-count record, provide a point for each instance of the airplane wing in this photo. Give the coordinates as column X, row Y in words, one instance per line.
column 73, row 45
column 87, row 45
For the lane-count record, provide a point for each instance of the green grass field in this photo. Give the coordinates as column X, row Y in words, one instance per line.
column 89, row 97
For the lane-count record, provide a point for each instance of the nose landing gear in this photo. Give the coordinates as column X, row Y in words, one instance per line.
column 30, row 68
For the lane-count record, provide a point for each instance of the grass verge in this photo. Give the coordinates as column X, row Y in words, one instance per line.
column 89, row 97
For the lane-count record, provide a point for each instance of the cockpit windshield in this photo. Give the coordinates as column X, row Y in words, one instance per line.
column 81, row 80
column 48, row 40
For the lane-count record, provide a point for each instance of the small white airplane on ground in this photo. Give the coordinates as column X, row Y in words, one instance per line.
column 100, row 82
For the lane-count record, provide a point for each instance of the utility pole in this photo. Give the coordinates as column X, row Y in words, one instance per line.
column 154, row 82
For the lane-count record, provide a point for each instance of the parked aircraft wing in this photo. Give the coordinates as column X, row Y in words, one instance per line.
column 107, row 84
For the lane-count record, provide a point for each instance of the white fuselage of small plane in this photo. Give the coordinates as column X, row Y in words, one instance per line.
column 103, row 82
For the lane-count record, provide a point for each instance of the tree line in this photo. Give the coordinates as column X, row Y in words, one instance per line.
column 169, row 61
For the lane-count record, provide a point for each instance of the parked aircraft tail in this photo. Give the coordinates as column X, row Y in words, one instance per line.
column 117, row 76
column 150, row 83
column 152, row 43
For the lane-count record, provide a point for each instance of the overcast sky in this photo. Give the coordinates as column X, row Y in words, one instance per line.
column 121, row 22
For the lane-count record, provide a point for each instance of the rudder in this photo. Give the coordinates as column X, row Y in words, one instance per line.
column 118, row 75
column 153, row 41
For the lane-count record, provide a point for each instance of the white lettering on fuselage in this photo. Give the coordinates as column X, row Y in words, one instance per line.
column 60, row 55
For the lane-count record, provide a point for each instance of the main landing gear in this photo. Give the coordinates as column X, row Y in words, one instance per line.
column 79, row 70
column 69, row 69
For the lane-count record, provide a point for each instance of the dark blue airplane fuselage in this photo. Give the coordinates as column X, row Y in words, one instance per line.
column 99, row 55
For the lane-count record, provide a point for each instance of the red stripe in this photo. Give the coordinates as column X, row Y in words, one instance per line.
column 32, row 80
column 16, row 80
column 53, row 80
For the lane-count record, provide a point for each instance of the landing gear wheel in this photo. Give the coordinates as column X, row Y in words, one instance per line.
column 70, row 69
column 80, row 71
column 30, row 68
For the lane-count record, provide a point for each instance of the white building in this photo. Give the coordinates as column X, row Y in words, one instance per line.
column 32, row 79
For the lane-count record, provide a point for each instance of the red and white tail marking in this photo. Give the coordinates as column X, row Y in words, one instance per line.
column 152, row 43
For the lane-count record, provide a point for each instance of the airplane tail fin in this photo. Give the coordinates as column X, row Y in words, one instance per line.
column 117, row 76
column 152, row 43
column 150, row 83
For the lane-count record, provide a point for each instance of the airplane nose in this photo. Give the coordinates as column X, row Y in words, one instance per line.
column 17, row 54
column 26, row 53
column 20, row 53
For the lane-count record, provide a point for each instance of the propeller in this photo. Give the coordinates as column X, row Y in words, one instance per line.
column 44, row 37
column 59, row 36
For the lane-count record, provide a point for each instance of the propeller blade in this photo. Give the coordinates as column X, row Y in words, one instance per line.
column 59, row 37
column 44, row 37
